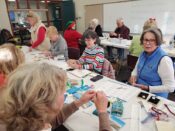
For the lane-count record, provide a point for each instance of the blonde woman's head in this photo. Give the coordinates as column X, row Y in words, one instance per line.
column 10, row 58
column 33, row 96
column 32, row 18
column 149, row 24
column 52, row 33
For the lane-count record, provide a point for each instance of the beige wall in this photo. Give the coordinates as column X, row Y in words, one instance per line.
column 93, row 11
column 4, row 19
column 80, row 10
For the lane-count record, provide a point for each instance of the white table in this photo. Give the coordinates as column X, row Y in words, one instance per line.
column 169, row 50
column 84, row 120
column 114, row 42
column 125, row 44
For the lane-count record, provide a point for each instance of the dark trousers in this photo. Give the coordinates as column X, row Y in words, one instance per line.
column 120, row 53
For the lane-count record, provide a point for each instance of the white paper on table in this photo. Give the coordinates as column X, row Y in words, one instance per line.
column 165, row 126
column 80, row 73
column 116, row 89
column 135, row 118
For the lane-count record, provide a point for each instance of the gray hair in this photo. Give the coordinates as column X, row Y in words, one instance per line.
column 157, row 33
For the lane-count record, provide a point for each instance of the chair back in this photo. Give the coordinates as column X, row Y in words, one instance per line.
column 131, row 61
column 108, row 70
column 73, row 53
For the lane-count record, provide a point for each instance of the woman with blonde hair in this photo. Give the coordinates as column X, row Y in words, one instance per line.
column 10, row 58
column 58, row 43
column 38, row 33
column 34, row 96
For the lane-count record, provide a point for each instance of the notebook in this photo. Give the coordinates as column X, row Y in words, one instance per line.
column 80, row 73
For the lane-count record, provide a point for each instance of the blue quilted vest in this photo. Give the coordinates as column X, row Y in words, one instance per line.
column 147, row 69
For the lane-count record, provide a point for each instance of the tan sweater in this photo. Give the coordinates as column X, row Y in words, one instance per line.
column 69, row 109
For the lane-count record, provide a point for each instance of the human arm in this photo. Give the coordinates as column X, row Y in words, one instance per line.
column 101, row 101
column 69, row 109
column 40, row 37
column 60, row 48
column 166, row 73
column 97, row 61
column 133, row 77
column 124, row 34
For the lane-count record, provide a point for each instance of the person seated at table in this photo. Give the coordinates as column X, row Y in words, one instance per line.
column 95, row 26
column 93, row 55
column 34, row 96
column 38, row 33
column 136, row 48
column 154, row 70
column 122, row 32
column 72, row 36
column 58, row 43
column 10, row 58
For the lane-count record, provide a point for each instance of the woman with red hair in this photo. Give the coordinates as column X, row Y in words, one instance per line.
column 71, row 35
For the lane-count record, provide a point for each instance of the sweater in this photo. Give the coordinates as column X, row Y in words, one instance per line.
column 92, row 59
column 2, row 80
column 72, row 38
column 122, row 32
column 59, row 47
column 38, row 35
column 98, row 30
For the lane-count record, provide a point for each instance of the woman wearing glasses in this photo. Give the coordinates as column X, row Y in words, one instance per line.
column 154, row 69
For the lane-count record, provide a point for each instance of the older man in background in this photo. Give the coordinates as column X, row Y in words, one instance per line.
column 122, row 32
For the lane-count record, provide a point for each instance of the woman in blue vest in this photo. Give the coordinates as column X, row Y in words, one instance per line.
column 154, row 70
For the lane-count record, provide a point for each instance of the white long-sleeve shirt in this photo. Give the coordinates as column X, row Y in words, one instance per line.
column 166, row 73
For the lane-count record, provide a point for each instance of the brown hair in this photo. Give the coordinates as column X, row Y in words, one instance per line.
column 30, row 97
column 10, row 58
column 157, row 34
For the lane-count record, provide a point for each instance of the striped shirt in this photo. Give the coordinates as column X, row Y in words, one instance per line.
column 92, row 59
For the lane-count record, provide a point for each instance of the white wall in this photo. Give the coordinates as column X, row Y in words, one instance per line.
column 80, row 10
column 4, row 19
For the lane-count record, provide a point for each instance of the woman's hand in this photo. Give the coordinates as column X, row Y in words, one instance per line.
column 30, row 49
column 113, row 34
column 86, row 97
column 74, row 64
column 71, row 61
column 47, row 53
column 100, row 101
column 132, row 80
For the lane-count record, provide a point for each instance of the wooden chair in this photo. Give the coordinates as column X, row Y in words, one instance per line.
column 73, row 53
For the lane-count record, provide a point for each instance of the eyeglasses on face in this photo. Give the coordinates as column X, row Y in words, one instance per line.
column 152, row 19
column 149, row 40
